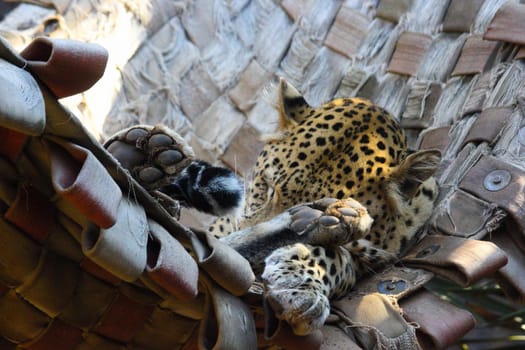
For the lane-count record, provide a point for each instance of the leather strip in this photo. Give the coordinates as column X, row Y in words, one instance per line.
column 376, row 322
column 463, row 261
column 66, row 67
column 509, row 197
column 392, row 10
column 511, row 275
column 440, row 323
column 105, row 246
column 409, row 52
column 58, row 336
column 124, row 318
column 520, row 54
column 348, row 31
column 489, row 125
column 170, row 265
column 52, row 284
column 12, row 143
column 225, row 329
column 450, row 214
column 84, row 182
column 476, row 56
column 99, row 272
column 22, row 108
column 91, row 300
column 508, row 24
column 437, row 138
column 227, row 267
column 461, row 15
column 25, row 322
column 19, row 255
column 32, row 213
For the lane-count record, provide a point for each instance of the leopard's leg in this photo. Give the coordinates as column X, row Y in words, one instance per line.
column 163, row 163
column 326, row 222
column 301, row 278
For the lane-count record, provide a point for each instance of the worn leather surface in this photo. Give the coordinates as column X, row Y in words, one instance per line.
column 440, row 323
column 463, row 261
column 66, row 67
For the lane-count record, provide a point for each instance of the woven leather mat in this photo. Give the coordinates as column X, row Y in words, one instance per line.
column 451, row 71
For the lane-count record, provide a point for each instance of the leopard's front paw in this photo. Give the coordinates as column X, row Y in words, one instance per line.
column 330, row 221
column 295, row 288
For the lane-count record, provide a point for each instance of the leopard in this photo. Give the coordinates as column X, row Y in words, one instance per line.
column 336, row 194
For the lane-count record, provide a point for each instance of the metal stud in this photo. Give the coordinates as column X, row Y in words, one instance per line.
column 497, row 180
column 391, row 286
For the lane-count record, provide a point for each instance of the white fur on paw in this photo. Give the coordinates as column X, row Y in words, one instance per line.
column 296, row 295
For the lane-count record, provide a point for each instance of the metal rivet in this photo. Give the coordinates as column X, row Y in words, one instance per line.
column 391, row 286
column 497, row 180
column 428, row 251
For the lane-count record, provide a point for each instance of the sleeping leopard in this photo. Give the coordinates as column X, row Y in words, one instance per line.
column 336, row 194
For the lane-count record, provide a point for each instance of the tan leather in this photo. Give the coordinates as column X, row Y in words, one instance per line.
column 23, row 107
column 489, row 125
column 12, row 143
column 461, row 15
column 105, row 246
column 28, row 201
column 437, row 138
column 477, row 55
column 80, row 179
column 66, row 67
column 166, row 257
column 463, row 261
column 493, row 172
column 227, row 267
column 440, row 323
column 508, row 24
column 336, row 338
column 392, row 10
column 410, row 49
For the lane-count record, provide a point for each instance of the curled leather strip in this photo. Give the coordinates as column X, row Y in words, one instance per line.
column 22, row 108
column 508, row 24
column 511, row 275
column 66, row 67
column 227, row 267
column 440, row 323
column 489, row 124
column 121, row 248
column 170, row 265
column 463, row 261
column 228, row 324
column 84, row 182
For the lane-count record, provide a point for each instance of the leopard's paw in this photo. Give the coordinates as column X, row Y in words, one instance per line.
column 153, row 155
column 330, row 221
column 297, row 288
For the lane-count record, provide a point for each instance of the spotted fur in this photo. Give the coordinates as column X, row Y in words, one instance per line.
column 346, row 148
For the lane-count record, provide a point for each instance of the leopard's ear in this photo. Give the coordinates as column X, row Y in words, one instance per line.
column 414, row 170
column 293, row 107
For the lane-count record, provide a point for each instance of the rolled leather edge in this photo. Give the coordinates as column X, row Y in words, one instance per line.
column 121, row 249
column 510, row 277
column 463, row 261
column 169, row 265
column 23, row 107
column 226, row 266
column 66, row 67
column 440, row 323
column 228, row 324
column 83, row 181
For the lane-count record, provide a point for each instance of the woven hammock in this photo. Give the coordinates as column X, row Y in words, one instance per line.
column 90, row 260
